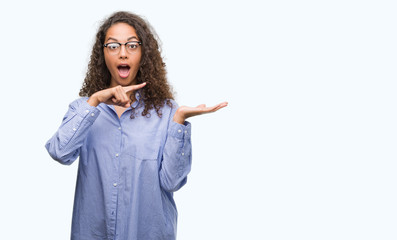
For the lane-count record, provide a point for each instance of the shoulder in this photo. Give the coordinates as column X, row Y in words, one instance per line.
column 78, row 102
column 81, row 105
column 168, row 108
column 173, row 103
column 170, row 105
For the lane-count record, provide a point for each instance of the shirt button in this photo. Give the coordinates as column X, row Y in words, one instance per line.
column 183, row 154
column 74, row 129
column 117, row 154
column 185, row 131
column 119, row 128
column 114, row 184
column 179, row 130
column 92, row 114
column 86, row 111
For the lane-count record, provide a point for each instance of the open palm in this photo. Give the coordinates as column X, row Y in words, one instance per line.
column 185, row 112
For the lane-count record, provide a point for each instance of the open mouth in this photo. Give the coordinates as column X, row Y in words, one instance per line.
column 124, row 70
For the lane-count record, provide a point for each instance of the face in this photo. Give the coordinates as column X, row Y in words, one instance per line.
column 123, row 66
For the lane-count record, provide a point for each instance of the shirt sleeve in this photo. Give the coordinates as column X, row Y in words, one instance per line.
column 177, row 155
column 64, row 145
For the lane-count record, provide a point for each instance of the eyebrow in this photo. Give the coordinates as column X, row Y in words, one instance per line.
column 130, row 38
column 133, row 37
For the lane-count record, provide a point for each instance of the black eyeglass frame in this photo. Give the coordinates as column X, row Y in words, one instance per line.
column 125, row 44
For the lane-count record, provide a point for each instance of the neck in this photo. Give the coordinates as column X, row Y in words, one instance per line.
column 113, row 83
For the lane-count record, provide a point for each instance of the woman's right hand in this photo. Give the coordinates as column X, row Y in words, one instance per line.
column 114, row 96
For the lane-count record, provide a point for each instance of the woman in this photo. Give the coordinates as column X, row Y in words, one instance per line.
column 131, row 138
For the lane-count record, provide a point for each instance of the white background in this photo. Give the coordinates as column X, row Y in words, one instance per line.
column 306, row 148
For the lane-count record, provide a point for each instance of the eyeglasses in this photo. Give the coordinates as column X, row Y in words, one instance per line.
column 114, row 47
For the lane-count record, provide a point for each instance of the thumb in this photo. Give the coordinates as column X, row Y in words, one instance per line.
column 133, row 87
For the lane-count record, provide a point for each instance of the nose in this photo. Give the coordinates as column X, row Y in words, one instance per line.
column 123, row 52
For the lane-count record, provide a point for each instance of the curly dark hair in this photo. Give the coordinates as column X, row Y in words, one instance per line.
column 152, row 70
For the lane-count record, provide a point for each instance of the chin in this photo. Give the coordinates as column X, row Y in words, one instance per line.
column 124, row 82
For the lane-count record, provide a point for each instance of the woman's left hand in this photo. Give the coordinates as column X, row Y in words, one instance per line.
column 184, row 112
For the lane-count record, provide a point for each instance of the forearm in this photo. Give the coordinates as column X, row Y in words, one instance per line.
column 64, row 145
column 176, row 162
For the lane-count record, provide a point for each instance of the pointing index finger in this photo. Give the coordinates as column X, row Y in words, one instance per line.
column 134, row 87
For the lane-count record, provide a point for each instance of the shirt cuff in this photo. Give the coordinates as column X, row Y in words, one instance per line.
column 181, row 131
column 85, row 110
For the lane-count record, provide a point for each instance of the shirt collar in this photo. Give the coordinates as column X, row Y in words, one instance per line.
column 138, row 95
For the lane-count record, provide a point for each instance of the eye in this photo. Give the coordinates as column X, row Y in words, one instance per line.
column 113, row 46
column 132, row 45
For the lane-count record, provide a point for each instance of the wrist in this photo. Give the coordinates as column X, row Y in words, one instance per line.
column 93, row 100
column 179, row 118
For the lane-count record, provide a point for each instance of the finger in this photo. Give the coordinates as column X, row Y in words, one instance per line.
column 134, row 87
column 125, row 101
column 211, row 109
column 201, row 106
column 123, row 97
column 127, row 105
column 224, row 104
column 116, row 95
column 216, row 107
column 221, row 105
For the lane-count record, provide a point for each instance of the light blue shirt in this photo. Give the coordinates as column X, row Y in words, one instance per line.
column 128, row 170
